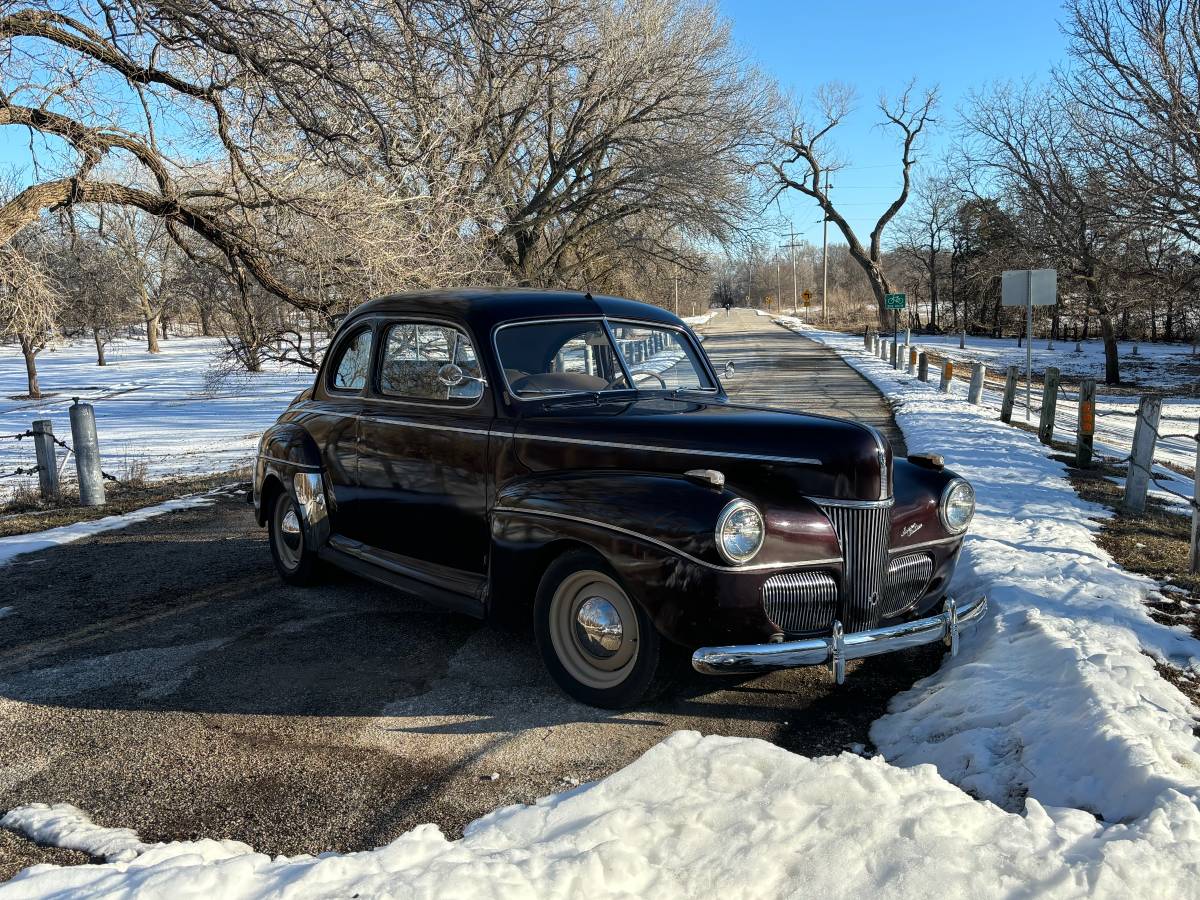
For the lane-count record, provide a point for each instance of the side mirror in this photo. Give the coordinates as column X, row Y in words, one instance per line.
column 730, row 368
column 450, row 375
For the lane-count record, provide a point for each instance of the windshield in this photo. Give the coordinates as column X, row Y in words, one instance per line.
column 578, row 356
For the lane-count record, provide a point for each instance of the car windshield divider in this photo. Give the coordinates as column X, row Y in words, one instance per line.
column 616, row 348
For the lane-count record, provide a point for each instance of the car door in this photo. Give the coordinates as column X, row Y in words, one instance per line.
column 423, row 456
column 332, row 418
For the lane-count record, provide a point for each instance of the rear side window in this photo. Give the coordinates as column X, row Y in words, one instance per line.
column 425, row 361
column 353, row 364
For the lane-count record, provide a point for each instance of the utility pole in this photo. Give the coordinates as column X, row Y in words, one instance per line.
column 676, row 293
column 791, row 245
column 825, row 258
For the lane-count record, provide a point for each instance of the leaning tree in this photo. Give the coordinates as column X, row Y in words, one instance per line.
column 804, row 159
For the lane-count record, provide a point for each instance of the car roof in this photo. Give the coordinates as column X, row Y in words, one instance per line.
column 484, row 308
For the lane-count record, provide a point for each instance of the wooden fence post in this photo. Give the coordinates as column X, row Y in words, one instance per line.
column 912, row 360
column 1010, row 395
column 923, row 366
column 1141, row 457
column 947, row 376
column 47, row 458
column 1049, row 405
column 867, row 339
column 1194, row 554
column 975, row 393
column 962, row 339
column 1085, row 433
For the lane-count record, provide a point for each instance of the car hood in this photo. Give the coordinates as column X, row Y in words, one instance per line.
column 757, row 449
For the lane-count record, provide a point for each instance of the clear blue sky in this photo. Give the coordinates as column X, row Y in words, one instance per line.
column 876, row 46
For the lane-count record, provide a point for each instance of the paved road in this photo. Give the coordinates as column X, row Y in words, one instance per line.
column 162, row 678
column 776, row 367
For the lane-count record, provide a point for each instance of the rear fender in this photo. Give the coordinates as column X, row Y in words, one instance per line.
column 288, row 459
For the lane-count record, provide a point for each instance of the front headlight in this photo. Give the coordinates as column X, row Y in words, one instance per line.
column 740, row 531
column 957, row 506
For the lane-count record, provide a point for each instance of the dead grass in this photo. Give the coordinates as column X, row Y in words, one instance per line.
column 25, row 512
column 1154, row 544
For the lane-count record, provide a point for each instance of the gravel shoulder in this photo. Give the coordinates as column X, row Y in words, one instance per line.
column 162, row 678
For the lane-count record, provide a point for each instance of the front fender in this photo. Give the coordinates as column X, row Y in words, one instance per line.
column 671, row 511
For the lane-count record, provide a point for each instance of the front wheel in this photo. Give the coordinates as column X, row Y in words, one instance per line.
column 598, row 644
column 295, row 561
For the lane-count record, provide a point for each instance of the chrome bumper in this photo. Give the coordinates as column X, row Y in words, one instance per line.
column 838, row 647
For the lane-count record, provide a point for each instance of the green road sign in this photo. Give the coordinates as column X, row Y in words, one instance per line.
column 894, row 301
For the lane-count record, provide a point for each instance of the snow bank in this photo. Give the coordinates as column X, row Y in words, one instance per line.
column 713, row 816
column 1056, row 697
column 40, row 540
column 63, row 825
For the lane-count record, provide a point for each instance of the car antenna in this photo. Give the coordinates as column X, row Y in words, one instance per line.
column 587, row 295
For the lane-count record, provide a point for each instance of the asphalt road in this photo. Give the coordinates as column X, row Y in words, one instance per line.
column 162, row 678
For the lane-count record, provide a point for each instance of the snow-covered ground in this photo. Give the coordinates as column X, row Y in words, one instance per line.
column 1116, row 415
column 160, row 413
column 1163, row 366
column 1047, row 759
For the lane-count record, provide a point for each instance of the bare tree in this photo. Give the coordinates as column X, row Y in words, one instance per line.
column 28, row 303
column 1137, row 73
column 1026, row 141
column 925, row 230
column 804, row 160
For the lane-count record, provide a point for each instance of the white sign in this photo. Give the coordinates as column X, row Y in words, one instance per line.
column 1019, row 286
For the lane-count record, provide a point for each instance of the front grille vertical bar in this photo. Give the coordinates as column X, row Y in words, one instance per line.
column 862, row 532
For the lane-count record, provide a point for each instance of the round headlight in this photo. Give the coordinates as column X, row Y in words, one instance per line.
column 740, row 531
column 957, row 506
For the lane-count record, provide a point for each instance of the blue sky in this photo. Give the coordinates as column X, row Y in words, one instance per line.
column 876, row 46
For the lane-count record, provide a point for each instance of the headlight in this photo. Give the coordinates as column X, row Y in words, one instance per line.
column 957, row 506
column 740, row 531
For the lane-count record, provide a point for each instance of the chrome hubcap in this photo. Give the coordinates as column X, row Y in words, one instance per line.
column 290, row 524
column 598, row 627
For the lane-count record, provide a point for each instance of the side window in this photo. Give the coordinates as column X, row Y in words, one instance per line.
column 415, row 353
column 351, row 371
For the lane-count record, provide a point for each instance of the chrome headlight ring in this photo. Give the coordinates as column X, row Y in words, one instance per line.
column 956, row 507
column 740, row 532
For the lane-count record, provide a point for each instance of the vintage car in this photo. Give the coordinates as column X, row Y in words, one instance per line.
column 574, row 460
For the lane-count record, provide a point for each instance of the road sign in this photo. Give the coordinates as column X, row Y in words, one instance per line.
column 895, row 301
column 807, row 296
column 1029, row 287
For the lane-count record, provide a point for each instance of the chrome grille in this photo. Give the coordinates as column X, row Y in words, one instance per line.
column 863, row 533
column 905, row 582
column 800, row 601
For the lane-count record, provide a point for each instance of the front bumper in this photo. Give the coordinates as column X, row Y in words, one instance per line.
column 836, row 649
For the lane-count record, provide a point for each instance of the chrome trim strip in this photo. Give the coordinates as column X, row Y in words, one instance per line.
column 946, row 626
column 675, row 550
column 595, row 443
column 288, row 462
column 726, row 454
column 429, row 426
column 854, row 504
column 945, row 540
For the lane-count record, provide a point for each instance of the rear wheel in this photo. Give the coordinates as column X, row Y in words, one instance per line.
column 294, row 560
column 598, row 644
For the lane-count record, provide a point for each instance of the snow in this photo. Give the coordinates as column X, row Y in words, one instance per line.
column 1163, row 365
column 1047, row 759
column 695, row 816
column 163, row 412
column 1057, row 697
column 63, row 825
column 17, row 544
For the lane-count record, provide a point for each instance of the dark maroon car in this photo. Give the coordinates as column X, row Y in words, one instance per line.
column 574, row 460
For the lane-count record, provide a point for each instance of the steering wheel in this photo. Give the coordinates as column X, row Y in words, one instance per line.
column 633, row 373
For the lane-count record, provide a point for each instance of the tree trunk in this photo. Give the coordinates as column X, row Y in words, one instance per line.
column 164, row 328
column 1112, row 370
column 933, row 290
column 31, row 375
column 205, row 327
column 152, row 333
column 99, row 346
